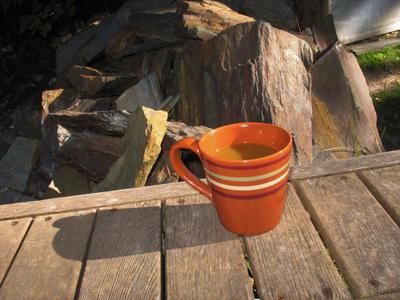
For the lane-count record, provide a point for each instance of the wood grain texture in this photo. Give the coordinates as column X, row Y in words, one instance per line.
column 11, row 235
column 96, row 200
column 206, row 19
column 203, row 260
column 124, row 260
column 394, row 296
column 360, row 235
column 182, row 189
column 49, row 261
column 384, row 184
column 291, row 262
column 372, row 161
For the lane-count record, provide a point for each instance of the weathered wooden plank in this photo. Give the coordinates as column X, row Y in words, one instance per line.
column 11, row 236
column 395, row 296
column 384, row 184
column 291, row 261
column 203, row 260
column 182, row 189
column 124, row 260
column 360, row 235
column 372, row 161
column 96, row 200
column 49, row 261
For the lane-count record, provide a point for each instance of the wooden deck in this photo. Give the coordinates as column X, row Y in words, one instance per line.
column 339, row 239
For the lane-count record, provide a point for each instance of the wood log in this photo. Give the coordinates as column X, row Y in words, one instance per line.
column 58, row 99
column 206, row 19
column 90, row 153
column 92, row 81
column 179, row 130
column 250, row 72
column 111, row 122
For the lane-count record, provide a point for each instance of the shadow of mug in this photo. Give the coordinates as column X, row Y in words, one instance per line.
column 135, row 231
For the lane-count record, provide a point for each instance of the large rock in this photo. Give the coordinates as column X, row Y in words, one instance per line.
column 16, row 166
column 110, row 122
column 146, row 92
column 206, row 19
column 343, row 112
column 250, row 72
column 142, row 147
column 91, row 154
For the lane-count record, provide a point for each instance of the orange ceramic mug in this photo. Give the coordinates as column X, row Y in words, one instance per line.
column 247, row 194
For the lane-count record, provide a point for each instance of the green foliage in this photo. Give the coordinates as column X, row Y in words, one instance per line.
column 387, row 105
column 44, row 16
column 381, row 60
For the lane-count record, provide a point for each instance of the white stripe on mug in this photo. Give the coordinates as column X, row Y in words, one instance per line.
column 247, row 179
column 249, row 187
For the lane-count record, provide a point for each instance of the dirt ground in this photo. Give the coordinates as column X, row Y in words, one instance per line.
column 381, row 81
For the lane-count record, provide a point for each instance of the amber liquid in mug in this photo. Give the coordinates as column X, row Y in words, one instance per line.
column 244, row 152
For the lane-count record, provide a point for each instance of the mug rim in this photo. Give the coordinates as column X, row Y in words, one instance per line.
column 272, row 157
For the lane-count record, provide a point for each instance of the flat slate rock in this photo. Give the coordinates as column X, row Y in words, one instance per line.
column 146, row 92
column 143, row 140
column 16, row 166
column 9, row 196
column 343, row 112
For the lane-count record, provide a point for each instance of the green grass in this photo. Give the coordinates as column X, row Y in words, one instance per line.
column 381, row 60
column 387, row 105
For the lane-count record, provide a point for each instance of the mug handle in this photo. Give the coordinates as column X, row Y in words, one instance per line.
column 176, row 162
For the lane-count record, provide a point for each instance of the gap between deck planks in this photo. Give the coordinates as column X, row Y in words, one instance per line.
column 49, row 261
column 11, row 236
column 361, row 236
column 203, row 260
column 182, row 189
column 124, row 258
column 291, row 261
column 384, row 184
